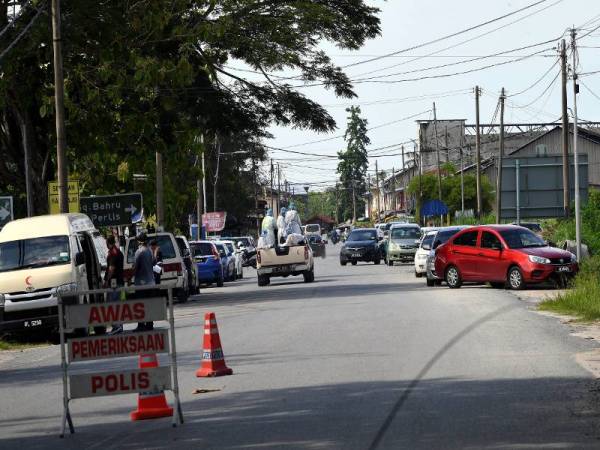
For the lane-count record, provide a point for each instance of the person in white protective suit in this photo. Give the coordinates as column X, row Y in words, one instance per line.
column 281, row 226
column 293, row 225
column 268, row 229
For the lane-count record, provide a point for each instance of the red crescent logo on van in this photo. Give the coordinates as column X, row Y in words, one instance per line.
column 27, row 282
column 29, row 287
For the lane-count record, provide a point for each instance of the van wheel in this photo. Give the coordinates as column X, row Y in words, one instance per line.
column 430, row 282
column 453, row 278
column 343, row 263
column 182, row 295
column 264, row 280
column 515, row 278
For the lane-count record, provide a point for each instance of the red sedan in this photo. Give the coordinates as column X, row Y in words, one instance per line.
column 503, row 255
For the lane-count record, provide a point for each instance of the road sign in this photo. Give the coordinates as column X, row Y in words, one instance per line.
column 131, row 311
column 73, row 196
column 6, row 210
column 116, row 346
column 113, row 210
column 120, row 382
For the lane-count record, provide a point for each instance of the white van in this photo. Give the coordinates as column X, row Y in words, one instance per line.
column 173, row 266
column 41, row 255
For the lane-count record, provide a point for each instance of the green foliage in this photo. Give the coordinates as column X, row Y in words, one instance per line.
column 142, row 77
column 451, row 189
column 560, row 230
column 319, row 203
column 353, row 164
column 583, row 300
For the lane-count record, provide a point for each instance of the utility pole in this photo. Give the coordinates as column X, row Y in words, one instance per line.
column 394, row 203
column 354, row 202
column 160, row 212
column 276, row 213
column 477, row 152
column 272, row 197
column 218, row 149
column 204, row 207
column 565, row 130
column 255, row 177
column 27, row 165
column 575, row 153
column 62, row 164
column 462, row 173
column 437, row 149
column 419, row 200
column 378, row 192
column 199, row 192
column 500, row 156
column 402, row 158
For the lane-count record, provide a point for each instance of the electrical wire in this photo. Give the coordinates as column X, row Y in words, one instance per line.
column 589, row 90
column 15, row 18
column 448, row 36
column 539, row 80
column 20, row 35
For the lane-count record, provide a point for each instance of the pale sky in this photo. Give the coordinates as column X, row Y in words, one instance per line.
column 406, row 23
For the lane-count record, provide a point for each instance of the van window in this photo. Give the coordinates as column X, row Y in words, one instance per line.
column 164, row 243
column 32, row 253
column 405, row 233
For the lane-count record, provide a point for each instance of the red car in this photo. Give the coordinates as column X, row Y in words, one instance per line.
column 503, row 255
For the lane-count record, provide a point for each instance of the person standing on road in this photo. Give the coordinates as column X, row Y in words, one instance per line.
column 114, row 276
column 143, row 273
column 157, row 260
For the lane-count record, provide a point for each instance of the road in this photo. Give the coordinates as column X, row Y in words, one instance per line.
column 366, row 357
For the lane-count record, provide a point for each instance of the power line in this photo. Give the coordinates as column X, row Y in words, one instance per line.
column 539, row 80
column 15, row 18
column 21, row 34
column 589, row 90
column 448, row 36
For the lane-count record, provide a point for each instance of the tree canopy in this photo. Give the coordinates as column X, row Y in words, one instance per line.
column 142, row 76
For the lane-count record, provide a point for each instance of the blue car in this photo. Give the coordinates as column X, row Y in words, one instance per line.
column 227, row 261
column 208, row 262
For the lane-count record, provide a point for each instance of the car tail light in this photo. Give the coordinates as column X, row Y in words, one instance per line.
column 258, row 256
column 174, row 267
column 306, row 252
column 215, row 253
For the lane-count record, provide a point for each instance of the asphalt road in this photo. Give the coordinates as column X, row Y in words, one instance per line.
column 366, row 357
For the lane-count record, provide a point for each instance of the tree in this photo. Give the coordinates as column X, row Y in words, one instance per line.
column 353, row 164
column 147, row 76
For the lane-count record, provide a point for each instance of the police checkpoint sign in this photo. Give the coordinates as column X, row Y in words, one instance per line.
column 147, row 381
column 130, row 311
column 117, row 346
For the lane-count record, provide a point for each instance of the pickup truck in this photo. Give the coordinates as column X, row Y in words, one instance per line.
column 283, row 262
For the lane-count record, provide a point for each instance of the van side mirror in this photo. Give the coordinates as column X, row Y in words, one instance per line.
column 79, row 258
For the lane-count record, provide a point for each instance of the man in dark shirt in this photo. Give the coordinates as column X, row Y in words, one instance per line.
column 114, row 275
column 144, row 274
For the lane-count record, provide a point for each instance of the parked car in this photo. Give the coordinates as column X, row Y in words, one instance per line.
column 402, row 243
column 248, row 247
column 227, row 261
column 172, row 265
column 192, row 272
column 362, row 244
column 441, row 237
column 208, row 262
column 238, row 257
column 317, row 245
column 503, row 255
column 423, row 252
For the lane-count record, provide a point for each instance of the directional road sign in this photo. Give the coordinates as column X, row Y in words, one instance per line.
column 113, row 210
column 6, row 210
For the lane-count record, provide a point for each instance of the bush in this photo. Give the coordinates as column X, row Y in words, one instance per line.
column 484, row 220
column 584, row 299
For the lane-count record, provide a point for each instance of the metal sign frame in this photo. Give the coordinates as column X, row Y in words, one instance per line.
column 63, row 311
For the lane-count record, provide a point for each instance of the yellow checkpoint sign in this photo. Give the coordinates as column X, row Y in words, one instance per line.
column 73, row 196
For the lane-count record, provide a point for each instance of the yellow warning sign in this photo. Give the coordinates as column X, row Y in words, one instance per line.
column 73, row 196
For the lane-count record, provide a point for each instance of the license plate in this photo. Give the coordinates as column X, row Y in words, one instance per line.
column 32, row 323
column 356, row 255
column 564, row 269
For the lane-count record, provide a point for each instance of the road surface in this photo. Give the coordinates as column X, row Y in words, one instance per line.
column 366, row 357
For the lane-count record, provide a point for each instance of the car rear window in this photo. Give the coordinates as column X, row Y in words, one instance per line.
column 201, row 249
column 363, row 235
column 312, row 228
column 164, row 243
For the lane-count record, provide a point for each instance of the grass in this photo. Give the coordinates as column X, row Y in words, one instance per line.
column 21, row 343
column 583, row 300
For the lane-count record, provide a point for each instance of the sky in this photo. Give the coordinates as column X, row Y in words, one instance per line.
column 407, row 23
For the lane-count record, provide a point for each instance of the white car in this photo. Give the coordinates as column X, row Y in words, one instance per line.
column 423, row 252
column 238, row 255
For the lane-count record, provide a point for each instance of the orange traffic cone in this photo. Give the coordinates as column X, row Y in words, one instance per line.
column 213, row 360
column 151, row 405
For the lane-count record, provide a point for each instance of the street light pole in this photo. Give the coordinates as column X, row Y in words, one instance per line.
column 59, row 101
column 575, row 151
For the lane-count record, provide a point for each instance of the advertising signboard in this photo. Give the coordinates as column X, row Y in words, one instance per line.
column 214, row 221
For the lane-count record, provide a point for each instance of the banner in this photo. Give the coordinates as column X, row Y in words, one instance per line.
column 214, row 221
